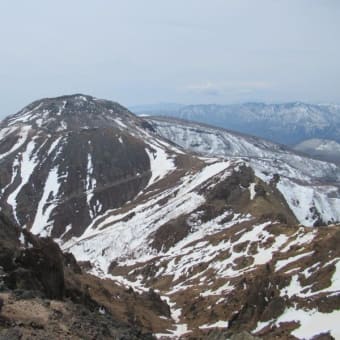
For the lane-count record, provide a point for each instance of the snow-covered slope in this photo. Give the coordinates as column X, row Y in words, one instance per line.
column 268, row 279
column 324, row 149
column 310, row 187
column 218, row 266
column 288, row 123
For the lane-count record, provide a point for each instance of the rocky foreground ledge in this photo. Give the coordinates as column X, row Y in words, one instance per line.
column 44, row 294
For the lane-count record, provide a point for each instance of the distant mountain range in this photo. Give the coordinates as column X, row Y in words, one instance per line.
column 288, row 124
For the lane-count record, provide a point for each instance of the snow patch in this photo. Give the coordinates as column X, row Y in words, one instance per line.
column 283, row 263
column 42, row 224
column 312, row 322
column 160, row 163
column 27, row 165
column 252, row 191
column 91, row 183
column 218, row 324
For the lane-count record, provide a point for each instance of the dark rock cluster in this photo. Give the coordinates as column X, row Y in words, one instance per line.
column 36, row 275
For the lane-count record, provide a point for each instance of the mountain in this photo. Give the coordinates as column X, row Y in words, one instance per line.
column 288, row 124
column 73, row 158
column 304, row 182
column 323, row 149
column 220, row 244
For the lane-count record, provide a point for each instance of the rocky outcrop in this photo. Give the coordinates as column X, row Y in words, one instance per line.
column 30, row 262
column 44, row 293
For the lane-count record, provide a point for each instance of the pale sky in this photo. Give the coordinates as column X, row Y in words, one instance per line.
column 182, row 51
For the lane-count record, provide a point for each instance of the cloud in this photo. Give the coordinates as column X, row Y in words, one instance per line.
column 209, row 88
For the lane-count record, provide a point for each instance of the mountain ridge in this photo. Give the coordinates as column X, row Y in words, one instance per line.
column 287, row 123
column 136, row 207
column 72, row 111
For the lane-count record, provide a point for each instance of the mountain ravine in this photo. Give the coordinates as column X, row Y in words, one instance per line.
column 200, row 233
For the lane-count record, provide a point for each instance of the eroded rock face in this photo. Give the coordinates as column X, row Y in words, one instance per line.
column 244, row 336
column 37, row 264
column 170, row 233
column 9, row 242
column 43, row 263
column 40, row 319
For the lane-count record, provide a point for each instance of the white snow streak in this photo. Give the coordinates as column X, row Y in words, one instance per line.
column 27, row 166
column 90, row 184
column 160, row 163
column 42, row 223
column 22, row 137
column 218, row 324
column 283, row 263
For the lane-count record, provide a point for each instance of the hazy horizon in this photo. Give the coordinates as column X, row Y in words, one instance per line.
column 158, row 104
column 192, row 52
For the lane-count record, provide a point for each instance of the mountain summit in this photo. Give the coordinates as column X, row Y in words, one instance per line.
column 72, row 112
